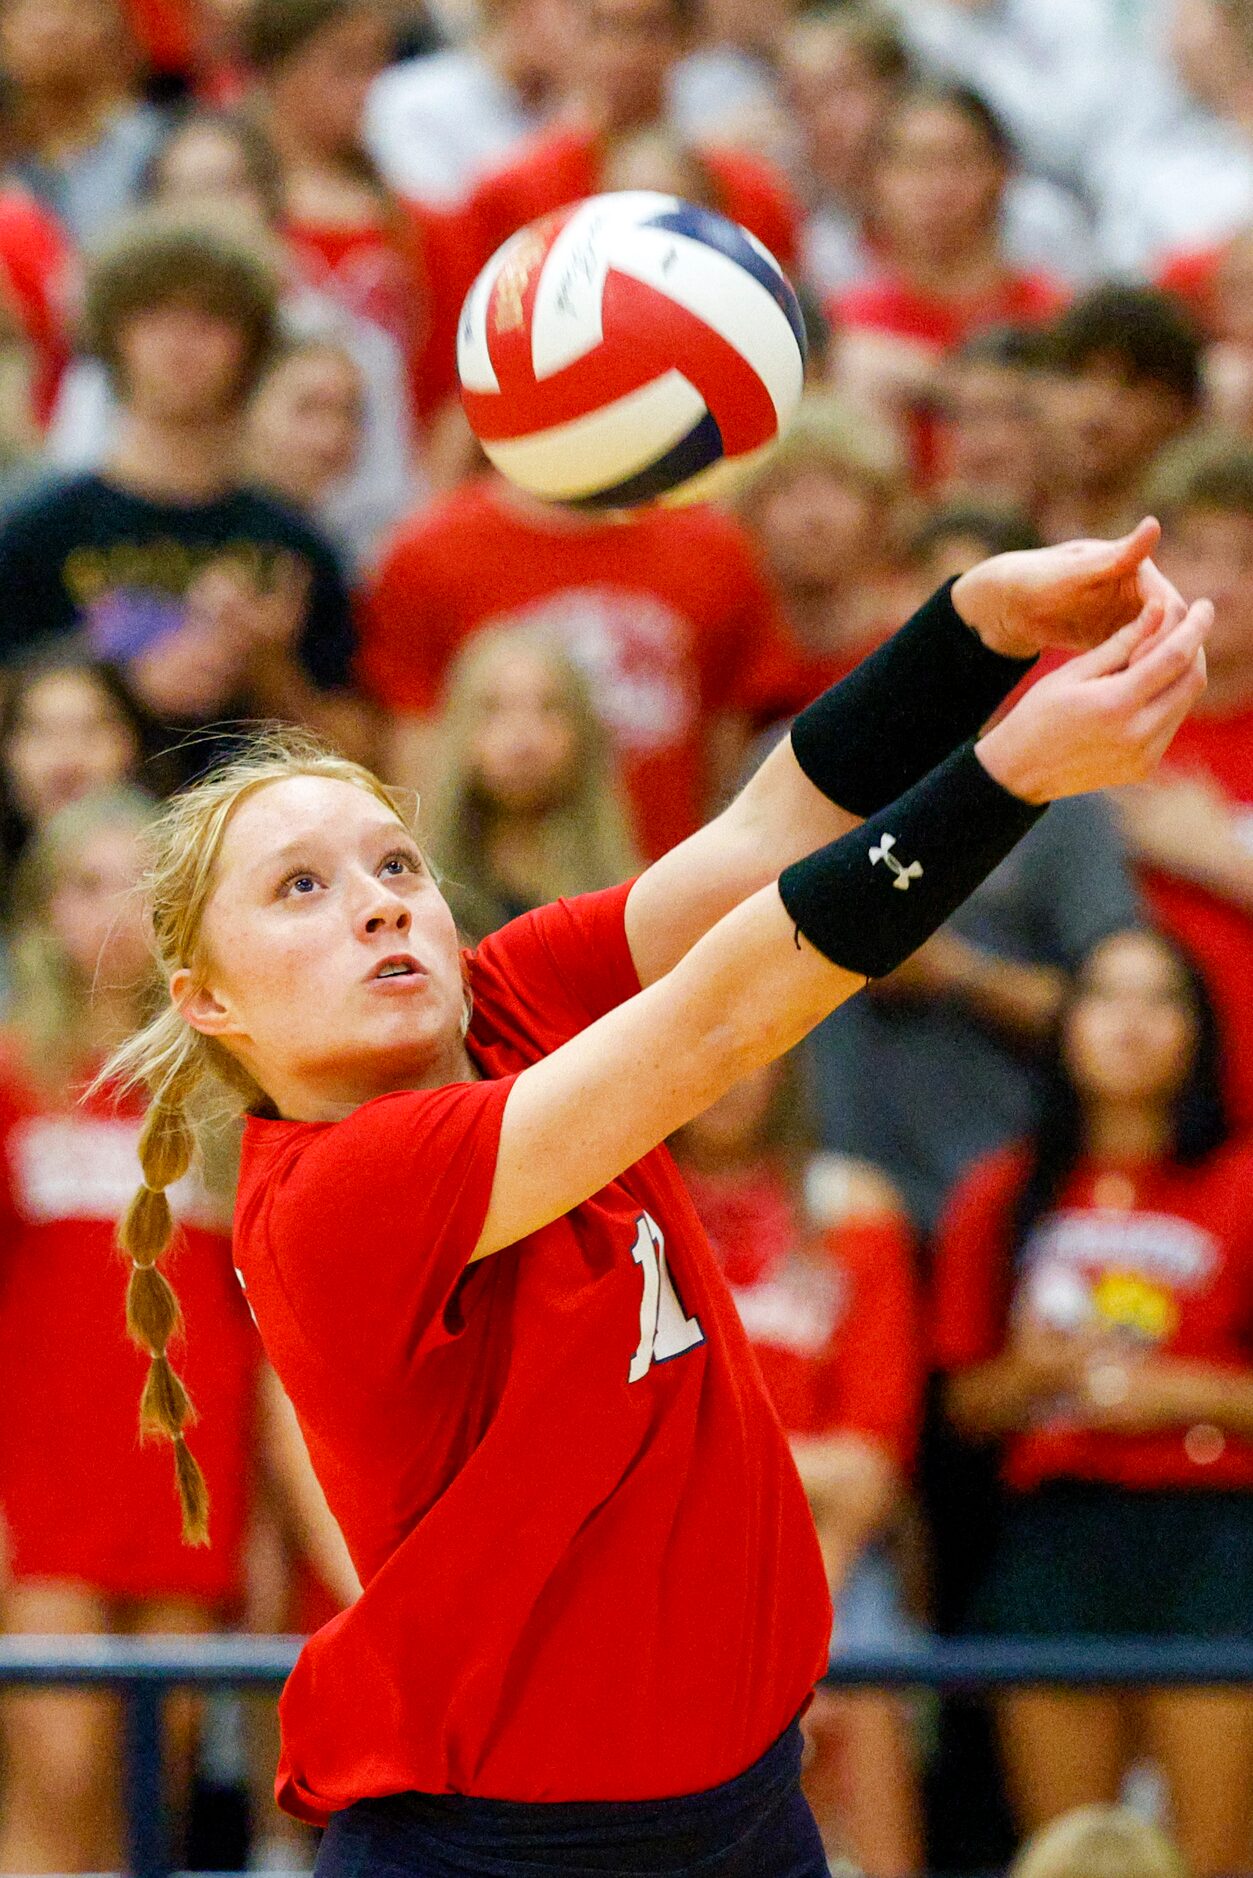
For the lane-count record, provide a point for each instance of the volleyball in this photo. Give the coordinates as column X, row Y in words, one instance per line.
column 632, row 348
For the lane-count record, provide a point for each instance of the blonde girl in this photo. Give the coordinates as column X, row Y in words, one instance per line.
column 594, row 1604
column 527, row 807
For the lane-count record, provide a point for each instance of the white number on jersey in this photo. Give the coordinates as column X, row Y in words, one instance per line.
column 664, row 1329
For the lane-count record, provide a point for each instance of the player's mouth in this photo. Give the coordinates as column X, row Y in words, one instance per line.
column 399, row 968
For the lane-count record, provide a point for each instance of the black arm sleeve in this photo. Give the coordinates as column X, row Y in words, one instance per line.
column 915, row 698
column 869, row 899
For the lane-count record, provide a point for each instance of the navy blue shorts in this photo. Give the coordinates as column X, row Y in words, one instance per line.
column 756, row 1826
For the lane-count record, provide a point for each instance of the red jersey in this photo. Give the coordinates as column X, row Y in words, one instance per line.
column 1217, row 932
column 666, row 611
column 80, row 1498
column 1157, row 1258
column 589, row 1568
column 831, row 1315
column 562, row 166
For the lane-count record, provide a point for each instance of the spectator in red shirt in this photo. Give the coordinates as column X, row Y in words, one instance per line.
column 526, row 808
column 314, row 62
column 821, row 510
column 818, row 1254
column 85, row 1511
column 1192, row 829
column 1120, row 380
column 621, row 55
column 1094, row 1312
column 942, row 271
column 665, row 610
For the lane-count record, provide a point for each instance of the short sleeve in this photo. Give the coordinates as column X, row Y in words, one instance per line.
column 548, row 975
column 972, row 1277
column 371, row 1223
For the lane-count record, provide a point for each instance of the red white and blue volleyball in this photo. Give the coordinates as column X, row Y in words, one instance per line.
column 632, row 348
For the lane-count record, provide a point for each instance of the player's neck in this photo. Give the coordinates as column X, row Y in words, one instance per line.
column 331, row 1098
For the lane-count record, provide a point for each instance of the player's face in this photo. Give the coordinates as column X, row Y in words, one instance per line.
column 331, row 963
column 1130, row 1033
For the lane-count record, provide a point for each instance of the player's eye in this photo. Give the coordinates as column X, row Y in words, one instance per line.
column 299, row 882
column 400, row 862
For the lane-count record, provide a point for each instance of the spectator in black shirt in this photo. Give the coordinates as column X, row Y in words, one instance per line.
column 214, row 600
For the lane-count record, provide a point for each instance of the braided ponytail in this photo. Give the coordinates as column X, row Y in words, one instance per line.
column 176, row 1067
column 153, row 1318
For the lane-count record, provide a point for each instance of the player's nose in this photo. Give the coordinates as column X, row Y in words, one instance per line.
column 382, row 910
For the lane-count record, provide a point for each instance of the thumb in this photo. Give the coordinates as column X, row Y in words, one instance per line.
column 1114, row 654
column 1126, row 554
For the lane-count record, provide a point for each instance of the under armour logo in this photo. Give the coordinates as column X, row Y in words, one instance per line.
column 882, row 851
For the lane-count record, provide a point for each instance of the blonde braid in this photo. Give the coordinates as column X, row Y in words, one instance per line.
column 177, row 1067
column 153, row 1318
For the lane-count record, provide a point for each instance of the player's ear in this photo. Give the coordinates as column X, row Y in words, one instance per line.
column 199, row 1006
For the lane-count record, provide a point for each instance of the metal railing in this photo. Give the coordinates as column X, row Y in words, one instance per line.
column 143, row 1670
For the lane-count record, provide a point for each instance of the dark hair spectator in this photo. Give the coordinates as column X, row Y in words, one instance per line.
column 1092, row 1296
column 384, row 259
column 1120, row 380
column 842, row 69
column 942, row 270
column 68, row 727
column 162, row 260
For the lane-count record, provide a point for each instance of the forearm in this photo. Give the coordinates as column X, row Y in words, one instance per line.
column 1221, row 1397
column 999, row 1397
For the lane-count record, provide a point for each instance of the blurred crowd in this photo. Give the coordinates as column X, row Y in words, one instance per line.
column 992, row 1231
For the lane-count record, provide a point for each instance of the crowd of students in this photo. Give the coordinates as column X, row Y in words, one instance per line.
column 992, row 1235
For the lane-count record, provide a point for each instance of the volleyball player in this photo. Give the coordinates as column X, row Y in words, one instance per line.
column 594, row 1603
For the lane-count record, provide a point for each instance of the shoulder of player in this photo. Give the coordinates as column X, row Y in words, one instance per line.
column 840, row 1190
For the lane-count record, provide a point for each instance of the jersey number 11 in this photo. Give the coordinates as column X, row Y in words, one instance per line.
column 665, row 1330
